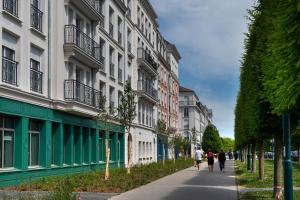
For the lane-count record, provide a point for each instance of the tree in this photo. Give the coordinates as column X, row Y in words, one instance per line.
column 106, row 115
column 211, row 139
column 126, row 114
column 194, row 137
column 171, row 132
column 227, row 144
column 161, row 129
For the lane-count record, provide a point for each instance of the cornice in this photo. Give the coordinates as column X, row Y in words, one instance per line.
column 121, row 5
column 150, row 10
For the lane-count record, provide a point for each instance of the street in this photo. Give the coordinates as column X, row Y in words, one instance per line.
column 189, row 184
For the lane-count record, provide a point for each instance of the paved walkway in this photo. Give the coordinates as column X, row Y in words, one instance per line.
column 189, row 184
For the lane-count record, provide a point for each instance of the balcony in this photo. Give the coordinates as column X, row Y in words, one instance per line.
column 36, row 81
column 9, row 71
column 91, row 8
column 112, row 70
column 36, row 18
column 11, row 6
column 120, row 75
column 111, row 30
column 187, row 103
column 148, row 92
column 145, row 59
column 82, row 47
column 81, row 93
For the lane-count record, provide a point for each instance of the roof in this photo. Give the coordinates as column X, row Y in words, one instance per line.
column 173, row 49
column 183, row 89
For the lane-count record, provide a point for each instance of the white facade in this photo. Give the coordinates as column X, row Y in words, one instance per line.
column 193, row 114
column 67, row 52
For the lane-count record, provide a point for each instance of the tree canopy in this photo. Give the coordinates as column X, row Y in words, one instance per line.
column 211, row 139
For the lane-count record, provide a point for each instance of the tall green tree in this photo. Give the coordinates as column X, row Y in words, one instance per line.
column 211, row 139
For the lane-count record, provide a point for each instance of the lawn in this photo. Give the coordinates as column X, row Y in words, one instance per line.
column 250, row 180
column 267, row 195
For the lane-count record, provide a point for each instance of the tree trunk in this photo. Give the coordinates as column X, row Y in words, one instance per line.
column 254, row 157
column 298, row 155
column 129, row 156
column 277, row 187
column 164, row 154
column 261, row 161
column 245, row 155
column 107, row 160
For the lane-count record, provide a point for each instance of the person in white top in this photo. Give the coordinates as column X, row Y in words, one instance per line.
column 198, row 157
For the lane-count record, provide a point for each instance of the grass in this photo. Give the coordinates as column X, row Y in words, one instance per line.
column 250, row 180
column 266, row 195
column 119, row 181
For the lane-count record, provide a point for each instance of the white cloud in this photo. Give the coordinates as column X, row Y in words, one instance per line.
column 210, row 35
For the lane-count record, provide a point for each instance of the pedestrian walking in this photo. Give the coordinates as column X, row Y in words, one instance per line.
column 210, row 160
column 198, row 157
column 222, row 159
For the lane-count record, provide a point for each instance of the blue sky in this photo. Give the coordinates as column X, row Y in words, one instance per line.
column 209, row 35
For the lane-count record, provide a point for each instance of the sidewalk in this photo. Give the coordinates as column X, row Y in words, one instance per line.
column 189, row 184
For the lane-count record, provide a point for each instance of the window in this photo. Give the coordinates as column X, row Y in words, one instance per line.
column 9, row 66
column 111, row 63
column 11, row 6
column 111, row 24
column 36, row 15
column 34, row 143
column 7, row 132
column 101, row 146
column 186, row 112
column 119, row 31
column 111, row 99
column 36, row 75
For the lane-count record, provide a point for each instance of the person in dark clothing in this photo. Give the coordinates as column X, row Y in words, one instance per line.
column 222, row 158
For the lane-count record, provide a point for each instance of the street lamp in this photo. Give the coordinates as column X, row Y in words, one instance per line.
column 288, row 171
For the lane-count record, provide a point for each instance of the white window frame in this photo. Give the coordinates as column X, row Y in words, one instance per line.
column 2, row 132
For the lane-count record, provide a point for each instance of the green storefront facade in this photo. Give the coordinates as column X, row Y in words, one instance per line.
column 37, row 142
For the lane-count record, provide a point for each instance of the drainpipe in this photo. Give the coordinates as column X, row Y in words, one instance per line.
column 125, row 45
column 49, row 49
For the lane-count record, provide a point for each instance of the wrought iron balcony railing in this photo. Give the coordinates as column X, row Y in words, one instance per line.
column 145, row 55
column 11, row 6
column 36, row 80
column 75, row 36
column 9, row 71
column 79, row 92
column 36, row 18
column 149, row 90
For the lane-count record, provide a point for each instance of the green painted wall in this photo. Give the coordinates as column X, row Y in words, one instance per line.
column 68, row 143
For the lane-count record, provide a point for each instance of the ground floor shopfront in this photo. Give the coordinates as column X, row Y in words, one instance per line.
column 37, row 142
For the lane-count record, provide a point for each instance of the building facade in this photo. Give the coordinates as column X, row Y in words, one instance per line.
column 193, row 115
column 58, row 58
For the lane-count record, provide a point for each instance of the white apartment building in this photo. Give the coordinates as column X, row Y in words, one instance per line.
column 144, row 80
column 193, row 114
column 58, row 57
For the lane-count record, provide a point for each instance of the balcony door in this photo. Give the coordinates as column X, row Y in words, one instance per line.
column 79, row 86
column 78, row 28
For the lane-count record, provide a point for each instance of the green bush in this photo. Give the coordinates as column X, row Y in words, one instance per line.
column 63, row 186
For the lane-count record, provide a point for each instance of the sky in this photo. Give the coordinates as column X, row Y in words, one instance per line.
column 209, row 35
